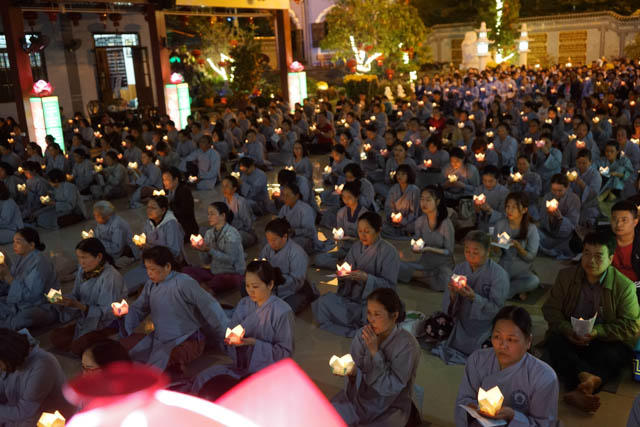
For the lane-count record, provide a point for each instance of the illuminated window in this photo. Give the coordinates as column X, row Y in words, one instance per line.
column 38, row 68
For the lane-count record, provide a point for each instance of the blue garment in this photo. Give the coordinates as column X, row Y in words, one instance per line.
column 518, row 267
column 380, row 392
column 208, row 169
column 25, row 305
column 83, row 174
column 116, row 236
column 272, row 326
column 97, row 293
column 530, row 388
column 10, row 220
column 292, row 261
column 225, row 253
column 179, row 307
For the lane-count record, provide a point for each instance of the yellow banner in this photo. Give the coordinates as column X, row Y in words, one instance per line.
column 242, row 4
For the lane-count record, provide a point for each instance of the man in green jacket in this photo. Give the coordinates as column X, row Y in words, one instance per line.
column 593, row 288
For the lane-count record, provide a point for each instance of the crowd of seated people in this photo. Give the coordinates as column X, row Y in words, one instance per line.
column 514, row 167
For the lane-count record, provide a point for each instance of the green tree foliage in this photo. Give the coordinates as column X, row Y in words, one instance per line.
column 248, row 66
column 506, row 32
column 377, row 26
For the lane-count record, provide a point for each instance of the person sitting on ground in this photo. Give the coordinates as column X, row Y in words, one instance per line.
column 32, row 381
column 587, row 361
column 491, row 209
column 626, row 258
column 557, row 224
column 529, row 386
column 379, row 387
column 97, row 285
column 180, row 200
column 470, row 304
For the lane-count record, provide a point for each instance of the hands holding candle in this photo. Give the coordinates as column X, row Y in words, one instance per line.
column 572, row 175
column 396, row 217
column 236, row 337
column 428, row 163
column 87, row 234
column 338, row 233
column 197, row 241
column 338, row 189
column 120, row 308
column 417, row 245
column 479, row 199
column 140, row 239
column 490, row 402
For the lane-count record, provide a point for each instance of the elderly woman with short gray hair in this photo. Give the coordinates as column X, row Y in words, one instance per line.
column 115, row 234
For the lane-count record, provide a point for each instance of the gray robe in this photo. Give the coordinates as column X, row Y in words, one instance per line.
column 179, row 308
column 380, row 393
column 529, row 387
column 472, row 319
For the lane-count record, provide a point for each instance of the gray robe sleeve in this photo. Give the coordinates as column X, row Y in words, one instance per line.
column 487, row 307
column 265, row 353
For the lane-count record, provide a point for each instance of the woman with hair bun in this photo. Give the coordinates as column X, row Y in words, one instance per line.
column 97, row 285
column 28, row 278
column 268, row 324
column 378, row 389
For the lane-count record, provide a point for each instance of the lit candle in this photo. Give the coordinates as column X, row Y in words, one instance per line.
column 54, row 295
column 327, row 169
column 504, row 238
column 580, row 144
column 490, row 401
column 48, row 419
column 516, row 177
column 21, row 187
column 596, row 120
column 396, row 217
column 479, row 199
column 1, row 258
column 489, row 134
column 572, row 175
column 120, row 308
column 344, row 269
column 338, row 233
column 490, row 146
column 392, row 175
column 149, row 147
column 132, row 165
column 342, row 365
column 427, row 163
column 140, row 239
column 157, row 162
column 572, row 136
column 480, row 157
column 432, row 129
column 235, row 335
column 548, row 121
column 159, row 193
column 45, row 199
column 99, row 160
column 417, row 245
column 384, row 152
column 604, row 170
column 452, row 178
column 567, row 119
column 552, row 205
column 87, row 234
column 460, row 125
column 528, row 140
column 97, row 168
column 193, row 179
column 459, row 280
column 69, row 177
column 196, row 240
column 540, row 143
column 366, row 147
column 338, row 188
column 236, row 175
column 363, row 156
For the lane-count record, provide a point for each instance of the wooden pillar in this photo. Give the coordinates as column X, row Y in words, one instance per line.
column 159, row 54
column 283, row 41
column 20, row 69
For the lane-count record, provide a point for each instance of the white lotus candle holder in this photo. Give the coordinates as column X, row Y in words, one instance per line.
column 159, row 193
column 327, row 169
column 528, row 140
column 516, row 177
column 45, row 199
column 338, row 233
column 21, row 187
column 479, row 199
column 196, row 240
column 132, row 165
column 581, row 144
column 459, row 280
column 572, row 175
column 489, row 134
column 366, row 147
column 338, row 188
column 140, row 239
column 604, row 170
column 552, row 205
column 47, row 419
column 504, row 238
column 54, row 295
column 384, row 152
column 97, row 168
column 480, row 157
column 396, row 217
column 120, row 308
column 87, row 234
column 235, row 174
column 342, row 365
column 452, row 178
column 490, row 401
column 344, row 269
column 417, row 245
column 193, row 179
column 427, row 163
column 235, row 335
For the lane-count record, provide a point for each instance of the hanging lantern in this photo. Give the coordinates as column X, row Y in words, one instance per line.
column 103, row 19
column 115, row 18
column 196, row 53
column 380, row 60
column 42, row 88
column 390, row 72
column 53, row 16
column 351, row 64
column 31, row 17
column 74, row 17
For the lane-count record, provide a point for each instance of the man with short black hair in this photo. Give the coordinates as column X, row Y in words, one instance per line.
column 593, row 288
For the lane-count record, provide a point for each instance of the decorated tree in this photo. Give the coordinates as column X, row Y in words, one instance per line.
column 247, row 67
column 501, row 17
column 391, row 31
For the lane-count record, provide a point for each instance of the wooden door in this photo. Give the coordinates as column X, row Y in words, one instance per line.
column 105, row 91
column 144, row 91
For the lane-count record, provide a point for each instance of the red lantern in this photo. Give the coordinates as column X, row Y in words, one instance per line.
column 31, row 17
column 201, row 61
column 233, row 43
column 380, row 60
column 352, row 63
column 74, row 17
column 390, row 72
column 196, row 53
column 115, row 18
